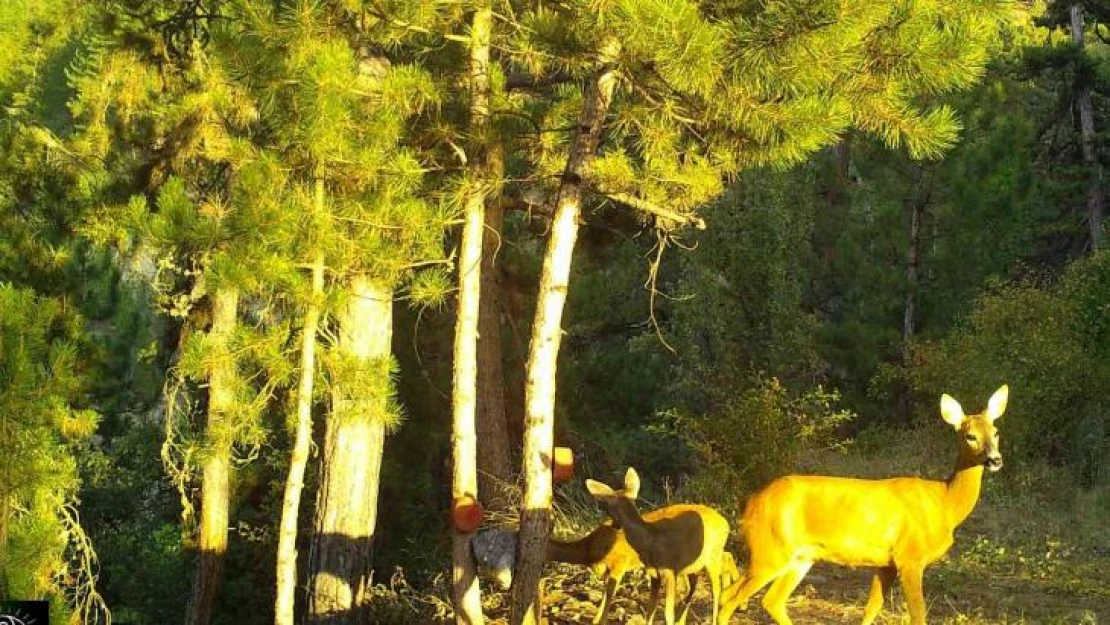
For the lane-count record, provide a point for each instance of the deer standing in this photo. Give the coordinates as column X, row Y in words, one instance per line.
column 674, row 541
column 607, row 553
column 898, row 525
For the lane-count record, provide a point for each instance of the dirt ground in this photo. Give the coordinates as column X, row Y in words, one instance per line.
column 832, row 594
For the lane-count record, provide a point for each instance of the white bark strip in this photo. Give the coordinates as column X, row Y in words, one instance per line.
column 302, row 438
column 539, row 428
column 464, row 576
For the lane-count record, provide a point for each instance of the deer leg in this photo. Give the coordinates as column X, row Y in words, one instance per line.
column 737, row 595
column 715, row 572
column 911, row 577
column 656, row 586
column 669, row 583
column 880, row 586
column 775, row 599
column 691, row 586
column 611, row 583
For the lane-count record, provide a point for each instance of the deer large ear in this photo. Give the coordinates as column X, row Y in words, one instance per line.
column 997, row 404
column 631, row 483
column 951, row 410
column 599, row 490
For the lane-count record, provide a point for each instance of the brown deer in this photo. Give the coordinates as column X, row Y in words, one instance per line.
column 607, row 553
column 675, row 541
column 897, row 525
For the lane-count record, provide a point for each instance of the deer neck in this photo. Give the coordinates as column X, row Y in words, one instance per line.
column 570, row 551
column 636, row 530
column 963, row 487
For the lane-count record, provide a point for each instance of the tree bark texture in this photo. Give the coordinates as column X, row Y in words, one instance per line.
column 1096, row 203
column 913, row 252
column 494, row 449
column 351, row 456
column 465, row 591
column 539, row 428
column 216, row 466
column 285, row 598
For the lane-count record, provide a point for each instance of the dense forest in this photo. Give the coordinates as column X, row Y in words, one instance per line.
column 305, row 302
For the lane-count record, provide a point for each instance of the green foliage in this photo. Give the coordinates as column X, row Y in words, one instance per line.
column 1041, row 341
column 757, row 435
column 376, row 401
column 130, row 510
column 740, row 307
column 42, row 423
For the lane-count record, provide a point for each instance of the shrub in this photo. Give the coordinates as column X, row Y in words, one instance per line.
column 1051, row 345
column 758, row 435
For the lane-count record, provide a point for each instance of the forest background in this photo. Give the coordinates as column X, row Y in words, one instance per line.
column 231, row 241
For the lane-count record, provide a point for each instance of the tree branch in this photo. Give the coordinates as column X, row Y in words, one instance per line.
column 521, row 80
column 643, row 205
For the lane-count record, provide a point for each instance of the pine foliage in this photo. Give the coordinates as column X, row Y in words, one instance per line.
column 711, row 90
column 43, row 423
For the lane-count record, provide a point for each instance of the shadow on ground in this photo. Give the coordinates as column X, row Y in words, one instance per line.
column 832, row 594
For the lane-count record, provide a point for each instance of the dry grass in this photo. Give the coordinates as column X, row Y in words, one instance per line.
column 1035, row 551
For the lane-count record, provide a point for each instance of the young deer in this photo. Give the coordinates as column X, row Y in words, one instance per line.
column 898, row 525
column 607, row 553
column 674, row 541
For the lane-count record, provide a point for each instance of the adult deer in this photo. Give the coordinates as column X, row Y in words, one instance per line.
column 898, row 525
column 675, row 541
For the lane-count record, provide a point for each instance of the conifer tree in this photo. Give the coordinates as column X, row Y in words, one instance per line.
column 335, row 110
column 161, row 115
column 465, row 591
column 1080, row 68
column 665, row 99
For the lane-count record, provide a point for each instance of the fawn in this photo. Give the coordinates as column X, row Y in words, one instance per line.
column 897, row 525
column 607, row 553
column 673, row 541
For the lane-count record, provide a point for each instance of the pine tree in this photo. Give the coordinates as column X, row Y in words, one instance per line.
column 335, row 111
column 1080, row 68
column 162, row 116
column 707, row 91
column 465, row 590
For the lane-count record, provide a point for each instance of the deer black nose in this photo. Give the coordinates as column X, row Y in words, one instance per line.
column 993, row 463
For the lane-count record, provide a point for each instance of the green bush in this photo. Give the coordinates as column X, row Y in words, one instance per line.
column 758, row 435
column 1051, row 345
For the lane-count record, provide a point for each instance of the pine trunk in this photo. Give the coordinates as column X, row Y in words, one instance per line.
column 909, row 311
column 494, row 464
column 1096, row 204
column 285, row 599
column 919, row 203
column 539, row 427
column 351, row 456
column 465, row 591
column 216, row 466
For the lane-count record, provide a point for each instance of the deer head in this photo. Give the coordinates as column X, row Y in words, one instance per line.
column 977, row 434
column 617, row 503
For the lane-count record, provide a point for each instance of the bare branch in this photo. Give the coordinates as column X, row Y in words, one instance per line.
column 643, row 205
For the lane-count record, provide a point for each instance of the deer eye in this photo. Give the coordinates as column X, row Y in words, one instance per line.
column 971, row 438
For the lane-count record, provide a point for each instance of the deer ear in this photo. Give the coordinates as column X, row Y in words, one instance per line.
column 997, row 404
column 951, row 410
column 631, row 483
column 599, row 490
